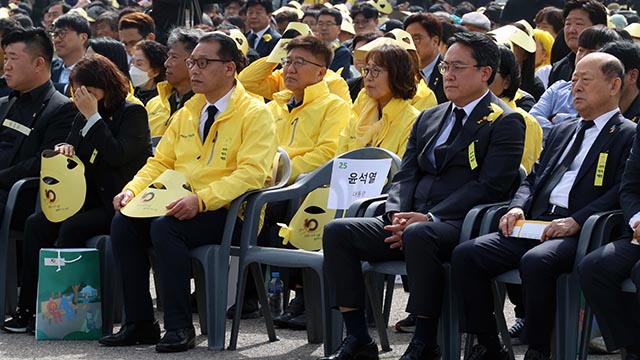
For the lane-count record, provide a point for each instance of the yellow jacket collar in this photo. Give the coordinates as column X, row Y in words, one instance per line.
column 311, row 93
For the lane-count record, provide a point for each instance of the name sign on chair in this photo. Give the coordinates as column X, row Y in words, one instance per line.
column 353, row 179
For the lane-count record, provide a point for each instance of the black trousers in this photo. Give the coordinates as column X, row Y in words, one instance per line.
column 601, row 273
column 41, row 233
column 171, row 239
column 477, row 261
column 347, row 242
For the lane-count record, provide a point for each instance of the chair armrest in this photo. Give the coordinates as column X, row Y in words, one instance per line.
column 596, row 232
column 359, row 207
column 20, row 186
column 474, row 218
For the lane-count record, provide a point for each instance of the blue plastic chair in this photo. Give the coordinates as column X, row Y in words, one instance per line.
column 568, row 287
column 8, row 256
column 324, row 324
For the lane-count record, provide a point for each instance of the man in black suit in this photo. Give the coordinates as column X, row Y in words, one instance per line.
column 578, row 15
column 577, row 175
column 262, row 38
column 328, row 23
column 70, row 35
column 628, row 53
column 35, row 117
column 426, row 31
column 460, row 154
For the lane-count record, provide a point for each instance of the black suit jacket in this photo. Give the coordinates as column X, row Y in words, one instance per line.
column 563, row 69
column 49, row 128
column 585, row 199
column 454, row 188
column 264, row 47
column 630, row 185
column 57, row 65
column 122, row 145
column 435, row 82
column 633, row 112
column 342, row 59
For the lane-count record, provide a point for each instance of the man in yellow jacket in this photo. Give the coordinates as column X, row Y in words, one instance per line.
column 223, row 141
column 309, row 119
column 176, row 90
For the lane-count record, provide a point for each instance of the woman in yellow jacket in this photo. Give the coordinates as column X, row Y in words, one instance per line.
column 387, row 115
column 424, row 97
column 506, row 86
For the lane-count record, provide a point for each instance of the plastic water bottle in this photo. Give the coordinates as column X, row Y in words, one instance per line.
column 275, row 294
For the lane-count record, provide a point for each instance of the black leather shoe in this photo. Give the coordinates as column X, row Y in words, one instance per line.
column 535, row 355
column 632, row 356
column 295, row 309
column 298, row 323
column 349, row 349
column 480, row 352
column 133, row 333
column 177, row 340
column 417, row 350
column 250, row 310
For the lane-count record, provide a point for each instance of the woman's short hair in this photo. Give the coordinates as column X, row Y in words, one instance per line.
column 509, row 68
column 99, row 72
column 156, row 53
column 400, row 68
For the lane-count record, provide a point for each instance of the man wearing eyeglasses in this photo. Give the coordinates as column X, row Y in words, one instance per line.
column 328, row 24
column 365, row 18
column 460, row 154
column 223, row 140
column 70, row 35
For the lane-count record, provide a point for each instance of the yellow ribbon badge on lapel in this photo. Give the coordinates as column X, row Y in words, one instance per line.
column 495, row 113
column 307, row 225
column 62, row 185
column 152, row 201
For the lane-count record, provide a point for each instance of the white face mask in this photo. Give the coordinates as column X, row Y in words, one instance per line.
column 138, row 77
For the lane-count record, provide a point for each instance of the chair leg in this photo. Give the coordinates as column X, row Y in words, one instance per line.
column 449, row 320
column 312, row 293
column 371, row 284
column 215, row 291
column 235, row 326
column 264, row 302
column 200, row 279
column 388, row 298
column 567, row 316
column 585, row 335
column 332, row 319
column 498, row 300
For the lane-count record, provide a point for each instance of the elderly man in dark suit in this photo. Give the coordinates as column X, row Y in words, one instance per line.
column 460, row 154
column 603, row 270
column 34, row 117
column 578, row 174
column 262, row 38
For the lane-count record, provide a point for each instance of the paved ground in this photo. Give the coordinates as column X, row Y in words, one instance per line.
column 252, row 344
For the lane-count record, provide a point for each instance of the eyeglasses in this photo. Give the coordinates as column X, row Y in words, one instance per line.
column 373, row 71
column 362, row 23
column 327, row 24
column 59, row 34
column 202, row 62
column 453, row 68
column 297, row 63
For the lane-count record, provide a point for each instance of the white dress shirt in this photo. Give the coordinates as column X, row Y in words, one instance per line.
column 221, row 105
column 560, row 194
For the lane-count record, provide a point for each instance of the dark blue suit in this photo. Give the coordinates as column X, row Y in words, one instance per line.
column 264, row 47
column 476, row 262
column 448, row 191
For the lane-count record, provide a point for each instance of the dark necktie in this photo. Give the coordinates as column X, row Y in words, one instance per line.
column 251, row 38
column 441, row 150
column 541, row 201
column 211, row 113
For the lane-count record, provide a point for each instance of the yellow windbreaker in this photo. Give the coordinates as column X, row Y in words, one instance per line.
column 390, row 132
column 532, row 137
column 424, row 99
column 159, row 109
column 236, row 156
column 261, row 79
column 309, row 133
